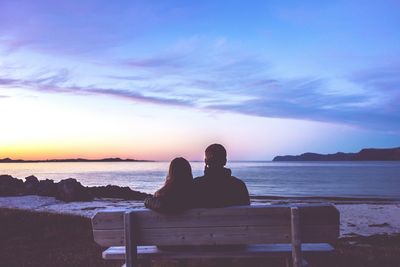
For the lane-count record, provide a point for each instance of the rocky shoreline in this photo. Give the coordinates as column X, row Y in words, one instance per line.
column 67, row 190
column 366, row 154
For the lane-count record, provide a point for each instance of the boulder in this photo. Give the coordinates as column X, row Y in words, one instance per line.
column 47, row 188
column 114, row 191
column 10, row 186
column 71, row 190
column 31, row 185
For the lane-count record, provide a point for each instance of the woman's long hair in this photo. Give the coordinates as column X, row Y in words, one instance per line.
column 178, row 180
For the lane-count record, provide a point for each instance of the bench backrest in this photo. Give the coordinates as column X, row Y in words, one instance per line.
column 317, row 223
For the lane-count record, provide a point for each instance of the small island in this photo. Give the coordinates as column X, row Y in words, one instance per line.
column 8, row 160
column 367, row 154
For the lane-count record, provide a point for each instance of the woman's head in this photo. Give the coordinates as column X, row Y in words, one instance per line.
column 178, row 178
column 179, row 171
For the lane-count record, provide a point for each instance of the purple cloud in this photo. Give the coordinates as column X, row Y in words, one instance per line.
column 127, row 77
column 6, row 81
column 156, row 62
column 376, row 107
column 135, row 96
column 53, row 84
column 233, row 87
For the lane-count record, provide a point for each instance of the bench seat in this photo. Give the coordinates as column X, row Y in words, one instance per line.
column 247, row 251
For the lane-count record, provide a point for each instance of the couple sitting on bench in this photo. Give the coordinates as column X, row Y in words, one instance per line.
column 243, row 231
column 217, row 188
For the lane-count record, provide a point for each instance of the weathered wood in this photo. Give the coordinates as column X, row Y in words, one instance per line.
column 198, row 236
column 231, row 216
column 215, row 227
column 209, row 226
column 131, row 240
column 225, row 236
column 248, row 251
column 108, row 220
column 106, row 238
column 296, row 241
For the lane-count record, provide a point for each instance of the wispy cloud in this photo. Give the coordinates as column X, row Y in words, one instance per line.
column 367, row 99
column 7, row 81
column 126, row 77
column 156, row 63
column 54, row 84
column 190, row 68
column 301, row 98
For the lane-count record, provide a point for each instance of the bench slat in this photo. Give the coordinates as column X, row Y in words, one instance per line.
column 107, row 238
column 108, row 220
column 231, row 216
column 198, row 236
column 249, row 251
column 226, row 235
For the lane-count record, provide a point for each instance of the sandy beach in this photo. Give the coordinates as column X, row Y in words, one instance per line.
column 42, row 231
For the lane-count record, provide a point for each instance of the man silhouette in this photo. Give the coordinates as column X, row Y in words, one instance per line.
column 218, row 188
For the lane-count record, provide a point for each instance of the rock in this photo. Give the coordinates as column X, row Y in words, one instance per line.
column 10, row 186
column 31, row 185
column 113, row 191
column 71, row 190
column 31, row 179
column 47, row 188
column 65, row 190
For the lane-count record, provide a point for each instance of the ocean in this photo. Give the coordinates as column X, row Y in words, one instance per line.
column 376, row 179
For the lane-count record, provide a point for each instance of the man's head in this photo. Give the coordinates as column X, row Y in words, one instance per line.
column 215, row 156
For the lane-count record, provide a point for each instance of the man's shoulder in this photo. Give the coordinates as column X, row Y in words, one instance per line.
column 238, row 181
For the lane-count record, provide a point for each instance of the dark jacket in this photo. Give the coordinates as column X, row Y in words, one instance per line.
column 218, row 188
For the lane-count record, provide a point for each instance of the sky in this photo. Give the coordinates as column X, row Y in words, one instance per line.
column 161, row 79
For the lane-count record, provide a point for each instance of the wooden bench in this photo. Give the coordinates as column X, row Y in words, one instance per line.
column 233, row 232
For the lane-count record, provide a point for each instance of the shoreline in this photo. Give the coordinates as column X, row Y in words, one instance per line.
column 330, row 199
column 8, row 160
column 70, row 189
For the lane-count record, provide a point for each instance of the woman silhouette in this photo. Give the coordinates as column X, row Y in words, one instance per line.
column 176, row 193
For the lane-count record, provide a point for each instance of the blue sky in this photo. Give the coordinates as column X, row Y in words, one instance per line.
column 162, row 79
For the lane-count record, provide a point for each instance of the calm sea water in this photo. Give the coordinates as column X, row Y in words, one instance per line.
column 340, row 179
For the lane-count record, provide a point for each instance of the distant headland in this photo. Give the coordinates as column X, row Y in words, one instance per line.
column 8, row 160
column 367, row 154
